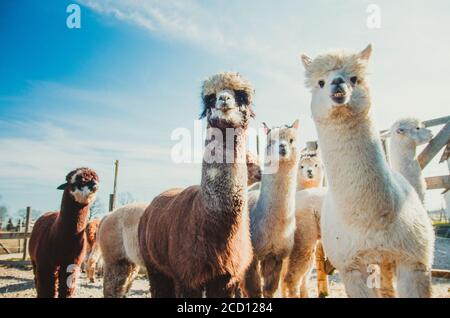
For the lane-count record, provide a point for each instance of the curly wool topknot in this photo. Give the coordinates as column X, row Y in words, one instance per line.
column 227, row 80
column 85, row 174
column 350, row 63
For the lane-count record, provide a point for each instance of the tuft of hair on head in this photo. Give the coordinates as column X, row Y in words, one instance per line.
column 234, row 81
column 85, row 173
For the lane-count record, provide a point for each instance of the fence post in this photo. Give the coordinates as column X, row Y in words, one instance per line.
column 27, row 228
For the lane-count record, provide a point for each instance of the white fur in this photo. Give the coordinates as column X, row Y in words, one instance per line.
column 84, row 196
column 406, row 134
column 371, row 214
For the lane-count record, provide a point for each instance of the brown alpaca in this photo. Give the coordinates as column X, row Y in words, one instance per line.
column 93, row 253
column 253, row 169
column 197, row 240
column 58, row 239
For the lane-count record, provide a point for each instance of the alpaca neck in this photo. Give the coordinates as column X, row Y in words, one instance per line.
column 403, row 160
column 358, row 176
column 73, row 216
column 277, row 196
column 224, row 183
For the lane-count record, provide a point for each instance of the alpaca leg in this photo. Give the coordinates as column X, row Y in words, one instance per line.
column 161, row 286
column 300, row 264
column 413, row 281
column 118, row 278
column 304, row 293
column 131, row 277
column 67, row 279
column 270, row 270
column 322, row 278
column 387, row 289
column 252, row 281
column 220, row 287
column 356, row 284
column 46, row 281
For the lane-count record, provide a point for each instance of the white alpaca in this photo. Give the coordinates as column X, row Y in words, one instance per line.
column 272, row 211
column 405, row 135
column 307, row 245
column 118, row 240
column 371, row 214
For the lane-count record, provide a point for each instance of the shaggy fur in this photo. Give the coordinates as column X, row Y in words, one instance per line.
column 405, row 135
column 272, row 212
column 92, row 252
column 58, row 239
column 198, row 240
column 307, row 244
column 118, row 241
column 371, row 214
column 253, row 169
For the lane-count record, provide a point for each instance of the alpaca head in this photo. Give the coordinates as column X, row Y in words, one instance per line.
column 253, row 169
column 282, row 144
column 310, row 169
column 227, row 100
column 337, row 82
column 410, row 132
column 82, row 185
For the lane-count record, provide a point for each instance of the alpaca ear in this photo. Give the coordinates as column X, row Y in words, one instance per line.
column 296, row 124
column 266, row 128
column 306, row 60
column 385, row 134
column 62, row 186
column 365, row 54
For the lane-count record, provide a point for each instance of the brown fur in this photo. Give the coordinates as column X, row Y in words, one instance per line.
column 253, row 169
column 198, row 239
column 92, row 252
column 58, row 240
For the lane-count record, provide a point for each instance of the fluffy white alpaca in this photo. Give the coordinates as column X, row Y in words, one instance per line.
column 272, row 211
column 310, row 171
column 118, row 240
column 371, row 213
column 405, row 135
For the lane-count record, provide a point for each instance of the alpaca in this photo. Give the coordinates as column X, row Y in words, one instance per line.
column 58, row 239
column 253, row 169
column 198, row 239
column 371, row 215
column 405, row 135
column 93, row 254
column 272, row 212
column 118, row 241
column 307, row 244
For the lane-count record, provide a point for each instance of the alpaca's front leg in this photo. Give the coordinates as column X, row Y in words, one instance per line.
column 252, row 281
column 413, row 281
column 45, row 279
column 271, row 270
column 67, row 279
column 322, row 277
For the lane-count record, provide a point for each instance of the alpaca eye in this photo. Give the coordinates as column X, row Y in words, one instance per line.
column 241, row 97
column 418, row 128
column 291, row 141
column 315, row 165
column 354, row 79
column 321, row 83
column 301, row 167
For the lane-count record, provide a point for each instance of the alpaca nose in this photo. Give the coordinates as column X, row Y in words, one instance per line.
column 224, row 98
column 283, row 149
column 338, row 81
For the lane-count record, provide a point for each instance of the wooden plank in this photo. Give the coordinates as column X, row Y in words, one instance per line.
column 14, row 236
column 441, row 273
column 4, row 248
column 27, row 229
column 440, row 182
column 437, row 121
column 435, row 145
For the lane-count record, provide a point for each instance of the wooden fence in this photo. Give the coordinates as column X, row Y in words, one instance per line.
column 19, row 235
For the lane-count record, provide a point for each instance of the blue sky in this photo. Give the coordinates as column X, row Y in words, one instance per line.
column 118, row 87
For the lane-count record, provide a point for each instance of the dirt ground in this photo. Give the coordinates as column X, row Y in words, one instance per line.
column 16, row 279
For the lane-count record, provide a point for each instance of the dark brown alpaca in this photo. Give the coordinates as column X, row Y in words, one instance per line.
column 198, row 239
column 58, row 239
